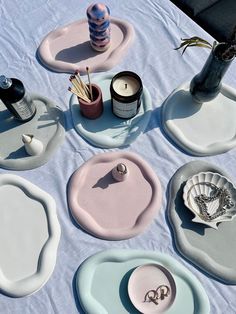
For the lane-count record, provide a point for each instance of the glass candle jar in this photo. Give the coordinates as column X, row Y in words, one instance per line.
column 126, row 90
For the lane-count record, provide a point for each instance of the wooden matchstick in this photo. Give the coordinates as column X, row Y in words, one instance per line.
column 85, row 87
column 73, row 91
column 78, row 86
column 90, row 86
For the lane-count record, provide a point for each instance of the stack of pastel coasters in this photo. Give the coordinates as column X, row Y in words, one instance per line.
column 99, row 26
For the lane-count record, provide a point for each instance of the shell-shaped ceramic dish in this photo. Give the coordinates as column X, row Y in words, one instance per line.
column 211, row 197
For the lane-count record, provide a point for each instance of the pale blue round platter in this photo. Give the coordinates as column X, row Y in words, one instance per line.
column 109, row 131
column 101, row 283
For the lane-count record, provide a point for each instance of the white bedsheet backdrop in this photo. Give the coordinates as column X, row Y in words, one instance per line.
column 159, row 25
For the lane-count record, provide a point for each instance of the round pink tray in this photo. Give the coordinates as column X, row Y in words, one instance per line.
column 144, row 281
column 109, row 209
column 68, row 49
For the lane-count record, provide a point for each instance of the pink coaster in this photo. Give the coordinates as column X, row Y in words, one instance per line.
column 151, row 289
column 112, row 209
column 68, row 48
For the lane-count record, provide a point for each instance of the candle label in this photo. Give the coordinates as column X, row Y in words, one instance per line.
column 125, row 110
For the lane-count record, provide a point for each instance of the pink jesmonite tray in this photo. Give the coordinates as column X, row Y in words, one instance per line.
column 109, row 209
column 68, row 49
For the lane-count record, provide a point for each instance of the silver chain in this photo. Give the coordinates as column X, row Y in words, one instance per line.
column 225, row 201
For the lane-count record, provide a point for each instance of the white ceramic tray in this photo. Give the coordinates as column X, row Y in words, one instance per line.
column 109, row 131
column 211, row 250
column 68, row 49
column 200, row 130
column 109, row 209
column 47, row 125
column 29, row 236
column 102, row 283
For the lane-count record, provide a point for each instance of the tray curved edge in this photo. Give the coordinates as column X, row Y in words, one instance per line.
column 86, row 271
column 87, row 222
column 48, row 254
column 207, row 264
column 66, row 67
column 182, row 141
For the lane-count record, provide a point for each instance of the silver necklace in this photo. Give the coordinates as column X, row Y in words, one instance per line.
column 225, row 201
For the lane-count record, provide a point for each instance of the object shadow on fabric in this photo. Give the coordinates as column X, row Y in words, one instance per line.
column 156, row 122
column 123, row 292
column 77, row 303
column 77, row 53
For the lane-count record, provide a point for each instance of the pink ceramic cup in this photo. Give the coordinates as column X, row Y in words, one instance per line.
column 94, row 109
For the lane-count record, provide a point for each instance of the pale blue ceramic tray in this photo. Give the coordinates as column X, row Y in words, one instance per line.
column 109, row 131
column 101, row 283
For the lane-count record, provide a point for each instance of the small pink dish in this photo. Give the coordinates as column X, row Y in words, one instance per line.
column 151, row 289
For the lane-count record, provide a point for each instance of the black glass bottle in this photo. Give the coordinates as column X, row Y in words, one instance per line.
column 15, row 98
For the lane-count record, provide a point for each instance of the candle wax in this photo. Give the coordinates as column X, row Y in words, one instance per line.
column 126, row 85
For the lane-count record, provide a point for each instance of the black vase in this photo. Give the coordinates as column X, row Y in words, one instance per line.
column 206, row 85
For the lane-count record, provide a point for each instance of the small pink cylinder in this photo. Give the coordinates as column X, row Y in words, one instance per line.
column 94, row 109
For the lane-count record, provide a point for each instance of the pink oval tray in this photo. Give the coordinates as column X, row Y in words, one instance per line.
column 68, row 49
column 109, row 209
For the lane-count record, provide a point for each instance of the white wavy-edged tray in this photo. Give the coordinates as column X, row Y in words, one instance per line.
column 201, row 129
column 68, row 49
column 29, row 236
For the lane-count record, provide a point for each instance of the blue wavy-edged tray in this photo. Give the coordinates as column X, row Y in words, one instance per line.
column 101, row 283
column 109, row 131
